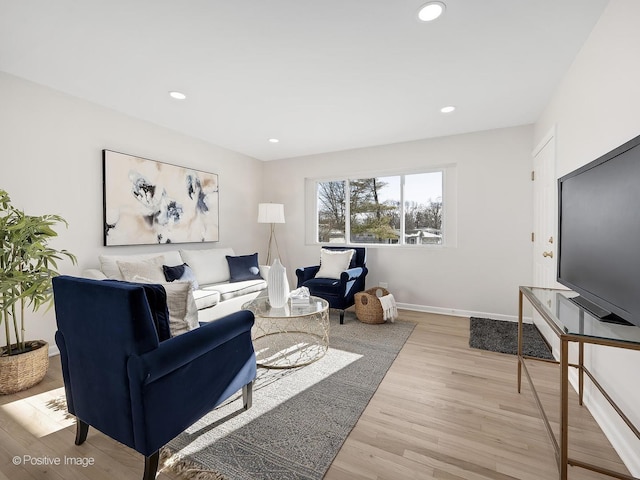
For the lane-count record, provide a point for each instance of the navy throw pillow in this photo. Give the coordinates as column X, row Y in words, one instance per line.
column 157, row 299
column 182, row 273
column 244, row 267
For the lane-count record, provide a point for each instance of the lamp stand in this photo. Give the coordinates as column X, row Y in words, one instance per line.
column 272, row 239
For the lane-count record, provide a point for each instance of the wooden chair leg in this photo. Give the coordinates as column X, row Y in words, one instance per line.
column 247, row 395
column 341, row 317
column 82, row 429
column 151, row 466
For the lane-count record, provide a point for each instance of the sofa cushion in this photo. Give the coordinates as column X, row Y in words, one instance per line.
column 243, row 267
column 209, row 265
column 182, row 272
column 236, row 289
column 333, row 262
column 150, row 269
column 206, row 298
column 110, row 268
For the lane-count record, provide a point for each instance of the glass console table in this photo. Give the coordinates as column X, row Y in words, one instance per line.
column 571, row 323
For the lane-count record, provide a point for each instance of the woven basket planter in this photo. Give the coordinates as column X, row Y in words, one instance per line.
column 22, row 371
column 368, row 307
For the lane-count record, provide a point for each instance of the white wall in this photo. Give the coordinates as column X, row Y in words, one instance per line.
column 51, row 162
column 597, row 108
column 479, row 275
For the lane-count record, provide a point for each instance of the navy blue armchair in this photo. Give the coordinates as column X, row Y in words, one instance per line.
column 338, row 292
column 122, row 380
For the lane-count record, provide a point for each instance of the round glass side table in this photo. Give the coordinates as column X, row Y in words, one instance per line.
column 291, row 336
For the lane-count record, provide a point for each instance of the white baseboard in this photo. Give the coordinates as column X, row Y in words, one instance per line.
column 460, row 313
column 53, row 350
column 611, row 425
column 613, row 428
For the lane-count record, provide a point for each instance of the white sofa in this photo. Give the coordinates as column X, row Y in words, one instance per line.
column 216, row 295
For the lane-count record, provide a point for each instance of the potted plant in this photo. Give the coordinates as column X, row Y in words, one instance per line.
column 27, row 265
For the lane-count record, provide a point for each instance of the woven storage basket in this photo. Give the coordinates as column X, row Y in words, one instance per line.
column 22, row 371
column 368, row 307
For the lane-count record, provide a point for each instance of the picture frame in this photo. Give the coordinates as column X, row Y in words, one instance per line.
column 149, row 202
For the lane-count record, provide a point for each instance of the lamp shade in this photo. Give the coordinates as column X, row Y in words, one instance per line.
column 270, row 213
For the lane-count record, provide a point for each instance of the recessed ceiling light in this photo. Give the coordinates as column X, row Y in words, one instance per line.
column 448, row 109
column 274, row 140
column 430, row 11
column 177, row 95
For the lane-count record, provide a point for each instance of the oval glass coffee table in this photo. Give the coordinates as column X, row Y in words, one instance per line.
column 291, row 336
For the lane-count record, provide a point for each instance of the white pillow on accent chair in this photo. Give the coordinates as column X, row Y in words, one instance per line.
column 334, row 262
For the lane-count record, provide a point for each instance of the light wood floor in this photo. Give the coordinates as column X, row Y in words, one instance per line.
column 443, row 411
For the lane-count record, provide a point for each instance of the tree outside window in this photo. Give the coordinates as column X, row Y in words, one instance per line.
column 374, row 210
column 399, row 209
column 331, row 212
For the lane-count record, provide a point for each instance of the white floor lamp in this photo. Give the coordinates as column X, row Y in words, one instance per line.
column 271, row 213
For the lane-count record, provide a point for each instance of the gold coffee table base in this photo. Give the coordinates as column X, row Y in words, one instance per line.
column 288, row 349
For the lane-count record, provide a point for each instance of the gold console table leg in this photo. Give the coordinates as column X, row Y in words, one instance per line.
column 519, row 341
column 564, row 408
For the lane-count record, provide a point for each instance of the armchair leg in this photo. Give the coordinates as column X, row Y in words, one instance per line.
column 341, row 317
column 82, row 429
column 151, row 466
column 247, row 395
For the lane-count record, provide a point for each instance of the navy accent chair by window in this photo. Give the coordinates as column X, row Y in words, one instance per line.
column 122, row 380
column 338, row 292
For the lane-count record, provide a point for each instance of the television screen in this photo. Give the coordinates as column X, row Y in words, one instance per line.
column 599, row 232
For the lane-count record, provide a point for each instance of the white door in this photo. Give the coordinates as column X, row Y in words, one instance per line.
column 545, row 226
column 545, row 238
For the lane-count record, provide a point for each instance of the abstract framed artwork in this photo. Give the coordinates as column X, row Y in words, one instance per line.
column 147, row 202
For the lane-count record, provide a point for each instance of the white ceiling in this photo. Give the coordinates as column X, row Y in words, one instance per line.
column 321, row 75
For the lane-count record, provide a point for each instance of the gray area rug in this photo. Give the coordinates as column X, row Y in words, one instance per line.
column 299, row 418
column 502, row 336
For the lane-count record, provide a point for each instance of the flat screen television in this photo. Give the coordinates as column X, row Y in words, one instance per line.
column 599, row 234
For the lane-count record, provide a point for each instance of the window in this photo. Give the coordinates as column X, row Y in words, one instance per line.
column 331, row 212
column 423, row 208
column 392, row 210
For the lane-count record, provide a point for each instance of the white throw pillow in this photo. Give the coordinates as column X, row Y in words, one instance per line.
column 334, row 262
column 150, row 269
column 183, row 312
